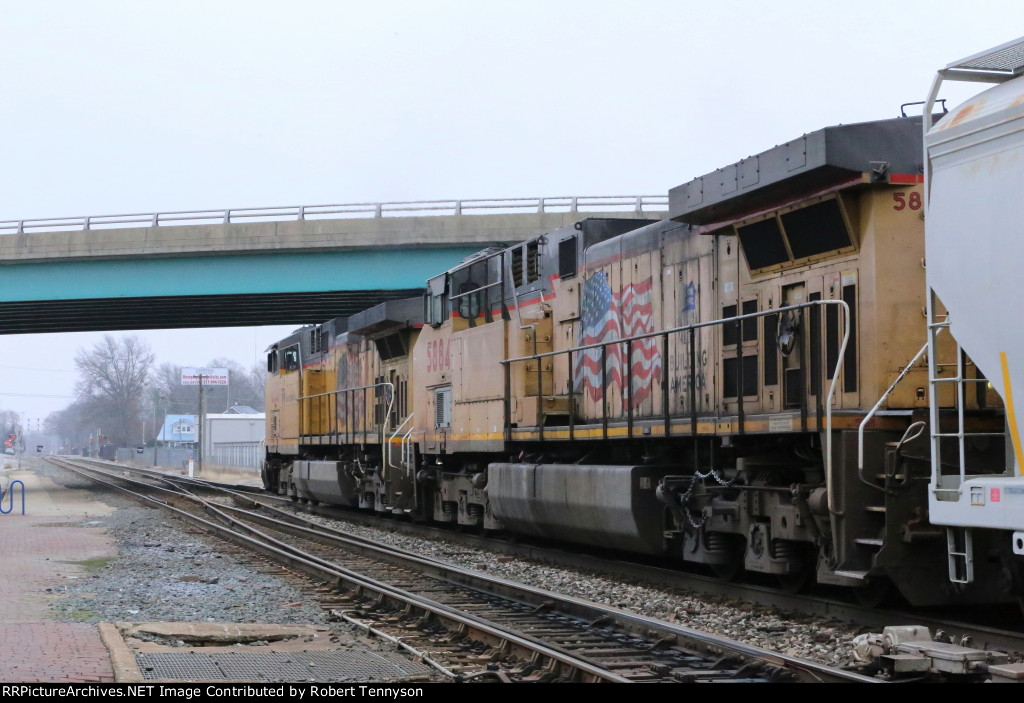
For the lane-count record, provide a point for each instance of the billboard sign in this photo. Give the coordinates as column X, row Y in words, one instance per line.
column 190, row 376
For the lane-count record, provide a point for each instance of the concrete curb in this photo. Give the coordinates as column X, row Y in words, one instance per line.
column 122, row 661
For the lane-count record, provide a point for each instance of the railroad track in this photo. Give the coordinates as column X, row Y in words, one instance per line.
column 985, row 628
column 468, row 625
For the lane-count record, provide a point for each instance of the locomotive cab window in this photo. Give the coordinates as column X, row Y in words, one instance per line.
column 290, row 359
column 272, row 361
column 567, row 257
column 473, row 285
column 435, row 303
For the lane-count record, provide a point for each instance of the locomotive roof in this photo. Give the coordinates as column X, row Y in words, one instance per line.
column 387, row 316
column 829, row 157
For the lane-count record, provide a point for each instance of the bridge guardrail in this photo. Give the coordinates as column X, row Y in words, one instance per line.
column 638, row 204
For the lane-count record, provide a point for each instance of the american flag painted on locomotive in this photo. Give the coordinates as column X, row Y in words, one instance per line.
column 609, row 316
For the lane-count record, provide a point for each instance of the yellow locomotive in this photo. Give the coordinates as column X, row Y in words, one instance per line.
column 718, row 387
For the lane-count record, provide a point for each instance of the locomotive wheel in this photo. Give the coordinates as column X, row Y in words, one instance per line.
column 731, row 569
column 732, row 549
column 794, row 583
column 801, row 579
column 874, row 594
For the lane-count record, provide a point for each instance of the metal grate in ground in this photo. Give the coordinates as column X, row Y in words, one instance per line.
column 317, row 666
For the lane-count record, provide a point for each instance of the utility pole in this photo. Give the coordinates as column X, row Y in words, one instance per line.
column 158, row 426
column 199, row 431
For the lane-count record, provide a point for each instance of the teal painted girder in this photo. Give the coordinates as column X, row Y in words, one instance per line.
column 228, row 275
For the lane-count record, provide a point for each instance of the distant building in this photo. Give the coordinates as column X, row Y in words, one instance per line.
column 234, row 438
column 178, row 431
column 242, row 410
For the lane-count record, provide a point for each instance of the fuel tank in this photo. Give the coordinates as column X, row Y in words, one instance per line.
column 605, row 506
column 325, row 482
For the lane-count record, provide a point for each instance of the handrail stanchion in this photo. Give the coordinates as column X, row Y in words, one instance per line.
column 740, row 390
column 664, row 385
column 820, row 339
column 604, row 390
column 805, row 366
column 693, row 385
column 693, row 399
column 540, row 389
column 572, row 400
column 627, row 381
column 508, row 400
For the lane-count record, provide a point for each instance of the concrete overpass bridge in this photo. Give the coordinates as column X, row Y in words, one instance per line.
column 257, row 266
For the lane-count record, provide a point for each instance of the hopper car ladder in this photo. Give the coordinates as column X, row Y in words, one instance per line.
column 948, row 485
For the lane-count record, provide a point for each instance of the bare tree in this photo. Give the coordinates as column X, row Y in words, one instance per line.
column 72, row 425
column 166, row 380
column 112, row 376
column 258, row 384
column 10, row 422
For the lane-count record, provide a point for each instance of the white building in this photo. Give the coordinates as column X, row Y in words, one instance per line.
column 234, row 438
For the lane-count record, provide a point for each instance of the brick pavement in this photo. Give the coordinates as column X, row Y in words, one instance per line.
column 38, row 551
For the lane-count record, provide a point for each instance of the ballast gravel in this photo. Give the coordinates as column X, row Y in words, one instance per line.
column 816, row 640
column 166, row 572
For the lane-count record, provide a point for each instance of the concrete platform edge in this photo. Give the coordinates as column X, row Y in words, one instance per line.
column 121, row 658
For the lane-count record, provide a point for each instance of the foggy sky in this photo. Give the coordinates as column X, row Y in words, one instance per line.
column 113, row 107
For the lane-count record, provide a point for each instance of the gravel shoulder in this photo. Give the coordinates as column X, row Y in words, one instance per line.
column 165, row 571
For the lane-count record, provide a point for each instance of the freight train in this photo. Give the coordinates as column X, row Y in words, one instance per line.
column 767, row 381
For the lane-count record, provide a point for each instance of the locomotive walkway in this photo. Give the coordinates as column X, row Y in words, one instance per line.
column 279, row 265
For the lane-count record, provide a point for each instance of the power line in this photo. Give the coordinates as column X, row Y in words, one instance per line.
column 33, row 368
column 37, row 395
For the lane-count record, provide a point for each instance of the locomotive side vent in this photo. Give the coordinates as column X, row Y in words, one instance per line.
column 791, row 237
column 517, row 267
column 443, row 407
column 763, row 244
column 817, row 229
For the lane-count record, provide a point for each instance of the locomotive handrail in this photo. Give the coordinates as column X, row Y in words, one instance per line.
column 829, row 479
column 390, row 441
column 387, row 415
column 407, row 446
column 871, row 414
column 562, row 203
column 499, row 282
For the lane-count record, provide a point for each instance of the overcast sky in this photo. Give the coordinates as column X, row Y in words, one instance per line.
column 114, row 107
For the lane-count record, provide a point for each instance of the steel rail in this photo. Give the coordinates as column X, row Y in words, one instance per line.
column 320, row 568
column 641, row 625
column 983, row 636
column 562, row 603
